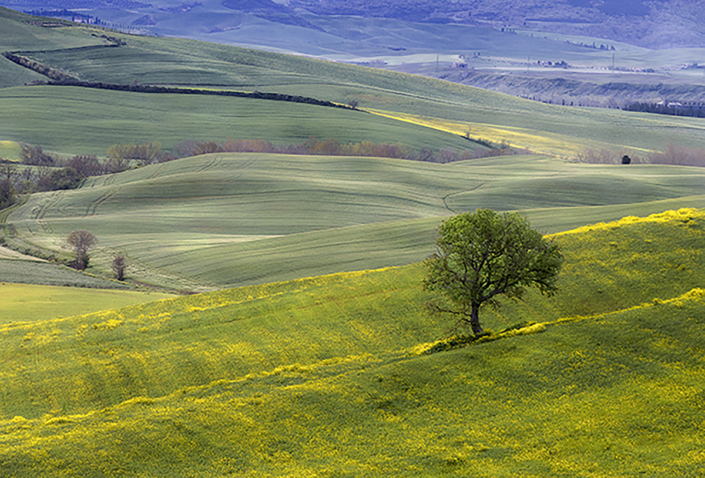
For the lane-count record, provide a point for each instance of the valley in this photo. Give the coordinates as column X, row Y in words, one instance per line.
column 272, row 320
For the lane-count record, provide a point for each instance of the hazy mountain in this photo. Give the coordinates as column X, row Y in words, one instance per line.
column 648, row 23
column 655, row 24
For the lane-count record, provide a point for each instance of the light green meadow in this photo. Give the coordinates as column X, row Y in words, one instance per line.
column 243, row 218
column 31, row 302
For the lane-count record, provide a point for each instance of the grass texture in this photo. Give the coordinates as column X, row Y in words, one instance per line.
column 322, row 377
column 75, row 120
column 235, row 219
column 31, row 302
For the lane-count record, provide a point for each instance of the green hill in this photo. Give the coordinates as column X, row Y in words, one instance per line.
column 321, row 376
column 24, row 302
column 239, row 218
column 98, row 119
column 93, row 120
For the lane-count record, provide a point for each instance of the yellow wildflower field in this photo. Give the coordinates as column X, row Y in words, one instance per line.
column 327, row 376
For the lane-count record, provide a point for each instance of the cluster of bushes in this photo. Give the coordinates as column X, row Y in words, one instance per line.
column 332, row 147
column 7, row 193
column 679, row 155
column 673, row 154
column 122, row 156
column 606, row 156
column 40, row 171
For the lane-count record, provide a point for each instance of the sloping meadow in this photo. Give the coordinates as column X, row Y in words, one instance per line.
column 232, row 219
column 323, row 376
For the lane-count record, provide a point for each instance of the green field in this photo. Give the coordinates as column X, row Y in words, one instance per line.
column 30, row 303
column 321, row 376
column 319, row 365
column 240, row 218
column 98, row 119
column 93, row 120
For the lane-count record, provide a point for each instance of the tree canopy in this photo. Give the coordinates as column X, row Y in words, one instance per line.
column 483, row 255
column 81, row 242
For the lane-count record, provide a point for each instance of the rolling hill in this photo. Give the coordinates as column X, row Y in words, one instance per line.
column 328, row 375
column 98, row 119
column 307, row 370
column 234, row 219
column 276, row 218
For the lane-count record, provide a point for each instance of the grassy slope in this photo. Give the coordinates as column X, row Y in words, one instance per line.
column 10, row 150
column 82, row 121
column 315, row 377
column 27, row 302
column 543, row 128
column 233, row 219
column 32, row 272
column 19, row 34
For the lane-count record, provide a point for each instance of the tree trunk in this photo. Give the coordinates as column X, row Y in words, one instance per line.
column 475, row 320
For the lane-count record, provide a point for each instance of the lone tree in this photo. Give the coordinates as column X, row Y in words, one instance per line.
column 81, row 242
column 119, row 266
column 483, row 255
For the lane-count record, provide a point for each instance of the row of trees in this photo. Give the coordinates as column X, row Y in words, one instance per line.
column 331, row 147
column 47, row 71
column 40, row 171
column 669, row 108
column 122, row 156
column 672, row 155
column 47, row 175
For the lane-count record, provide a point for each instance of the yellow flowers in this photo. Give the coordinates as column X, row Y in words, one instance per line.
column 681, row 216
column 108, row 325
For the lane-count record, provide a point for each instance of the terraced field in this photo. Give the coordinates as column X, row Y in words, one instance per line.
column 323, row 375
column 232, row 219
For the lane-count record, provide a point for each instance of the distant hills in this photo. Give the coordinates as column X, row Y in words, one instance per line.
column 651, row 24
column 657, row 24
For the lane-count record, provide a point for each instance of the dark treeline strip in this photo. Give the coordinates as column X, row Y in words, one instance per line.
column 47, row 71
column 60, row 78
column 671, row 108
column 134, row 88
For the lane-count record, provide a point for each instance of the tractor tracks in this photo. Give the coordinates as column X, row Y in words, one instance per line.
column 445, row 198
column 91, row 210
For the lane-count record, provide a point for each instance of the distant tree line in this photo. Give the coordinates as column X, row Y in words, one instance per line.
column 137, row 88
column 60, row 78
column 673, row 108
column 40, row 171
column 47, row 71
column 331, row 147
column 672, row 155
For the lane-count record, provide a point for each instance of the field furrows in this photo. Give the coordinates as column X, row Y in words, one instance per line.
column 258, row 196
column 458, row 193
column 93, row 207
column 157, row 171
column 212, row 163
column 48, row 203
